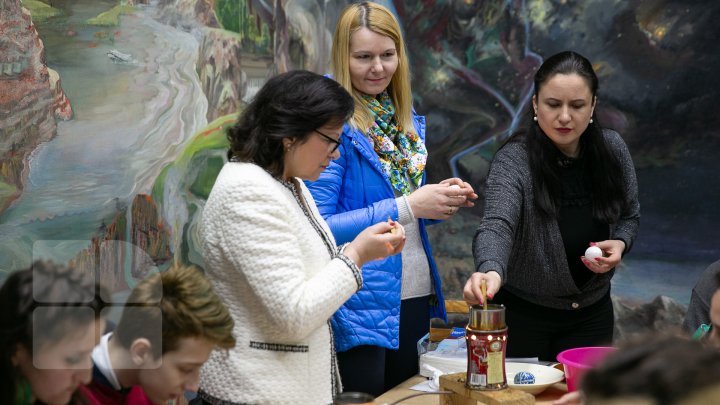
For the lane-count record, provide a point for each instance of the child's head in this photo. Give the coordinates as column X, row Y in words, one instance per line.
column 50, row 321
column 657, row 368
column 170, row 324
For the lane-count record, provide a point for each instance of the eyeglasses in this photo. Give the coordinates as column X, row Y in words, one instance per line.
column 331, row 140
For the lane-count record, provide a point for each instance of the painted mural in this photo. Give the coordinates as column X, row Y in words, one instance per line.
column 112, row 117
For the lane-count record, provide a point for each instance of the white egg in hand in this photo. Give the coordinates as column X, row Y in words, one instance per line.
column 454, row 187
column 592, row 252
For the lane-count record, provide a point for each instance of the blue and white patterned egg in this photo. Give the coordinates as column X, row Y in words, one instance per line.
column 524, row 377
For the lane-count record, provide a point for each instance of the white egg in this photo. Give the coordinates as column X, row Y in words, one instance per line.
column 592, row 252
column 454, row 187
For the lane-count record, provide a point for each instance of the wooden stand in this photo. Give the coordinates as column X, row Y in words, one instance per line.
column 465, row 396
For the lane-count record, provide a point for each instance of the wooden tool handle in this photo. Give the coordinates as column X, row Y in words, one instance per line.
column 483, row 288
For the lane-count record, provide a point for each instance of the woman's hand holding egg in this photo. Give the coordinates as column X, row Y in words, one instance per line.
column 603, row 256
column 592, row 252
column 461, row 190
column 393, row 224
column 376, row 242
column 442, row 200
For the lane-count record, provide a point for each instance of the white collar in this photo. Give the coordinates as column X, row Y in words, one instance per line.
column 101, row 358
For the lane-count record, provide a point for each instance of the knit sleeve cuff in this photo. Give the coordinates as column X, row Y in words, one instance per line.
column 492, row 266
column 405, row 214
column 351, row 264
column 627, row 240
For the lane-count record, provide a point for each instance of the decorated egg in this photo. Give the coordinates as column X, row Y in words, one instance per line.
column 592, row 252
column 524, row 377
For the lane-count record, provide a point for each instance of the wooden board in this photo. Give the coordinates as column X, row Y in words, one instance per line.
column 465, row 396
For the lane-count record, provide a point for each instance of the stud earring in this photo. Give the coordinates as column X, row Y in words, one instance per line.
column 535, row 118
column 591, row 120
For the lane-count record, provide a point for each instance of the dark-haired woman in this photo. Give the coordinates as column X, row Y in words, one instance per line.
column 271, row 255
column 50, row 322
column 560, row 186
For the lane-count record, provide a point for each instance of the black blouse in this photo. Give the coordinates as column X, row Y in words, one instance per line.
column 577, row 226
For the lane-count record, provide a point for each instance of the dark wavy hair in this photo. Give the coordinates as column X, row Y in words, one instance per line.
column 602, row 167
column 46, row 295
column 663, row 368
column 290, row 105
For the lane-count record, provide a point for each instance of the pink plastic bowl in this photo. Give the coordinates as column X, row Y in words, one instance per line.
column 577, row 361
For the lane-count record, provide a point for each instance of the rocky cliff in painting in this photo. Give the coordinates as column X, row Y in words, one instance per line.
column 634, row 319
column 148, row 235
column 219, row 58
column 129, row 248
column 188, row 14
column 31, row 98
column 231, row 65
column 221, row 76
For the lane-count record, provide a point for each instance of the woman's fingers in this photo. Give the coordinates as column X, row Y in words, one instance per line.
column 472, row 292
column 612, row 255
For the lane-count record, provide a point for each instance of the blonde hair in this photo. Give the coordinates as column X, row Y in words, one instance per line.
column 380, row 20
column 177, row 303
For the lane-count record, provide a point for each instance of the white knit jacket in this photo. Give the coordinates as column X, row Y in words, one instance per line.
column 278, row 270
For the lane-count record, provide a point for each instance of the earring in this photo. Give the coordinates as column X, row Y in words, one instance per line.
column 591, row 120
column 535, row 118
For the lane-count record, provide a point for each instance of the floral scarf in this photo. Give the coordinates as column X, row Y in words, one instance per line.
column 402, row 154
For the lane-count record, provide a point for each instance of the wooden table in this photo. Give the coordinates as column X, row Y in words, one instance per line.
column 545, row 398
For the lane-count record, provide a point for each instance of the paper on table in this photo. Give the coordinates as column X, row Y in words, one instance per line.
column 432, row 383
column 425, row 386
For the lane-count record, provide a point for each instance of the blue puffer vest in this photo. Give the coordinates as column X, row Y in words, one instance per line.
column 352, row 194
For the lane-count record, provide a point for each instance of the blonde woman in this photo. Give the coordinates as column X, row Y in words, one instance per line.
column 380, row 174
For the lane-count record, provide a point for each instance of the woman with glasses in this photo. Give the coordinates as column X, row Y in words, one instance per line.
column 272, row 257
column 380, row 174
